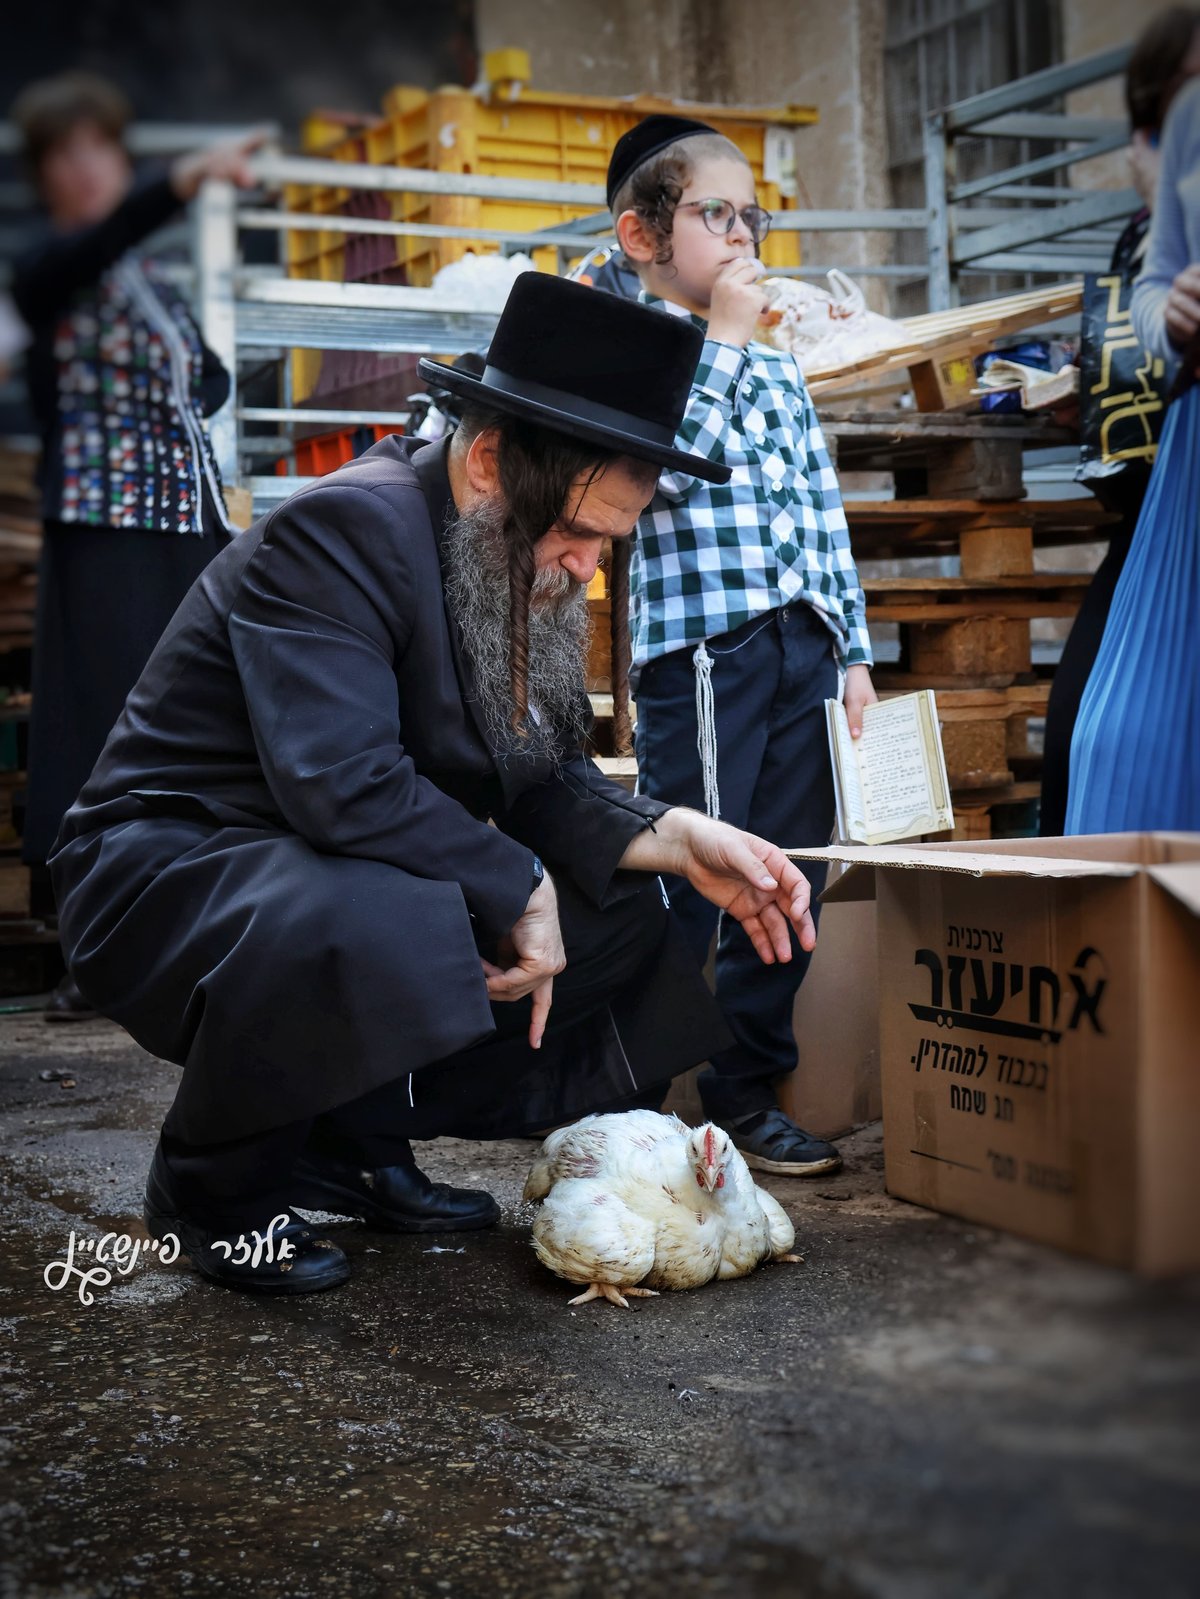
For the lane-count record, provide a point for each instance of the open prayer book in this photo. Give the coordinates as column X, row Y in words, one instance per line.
column 891, row 783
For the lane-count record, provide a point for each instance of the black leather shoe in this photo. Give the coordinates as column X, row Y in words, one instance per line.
column 396, row 1199
column 281, row 1255
column 67, row 1004
column 772, row 1142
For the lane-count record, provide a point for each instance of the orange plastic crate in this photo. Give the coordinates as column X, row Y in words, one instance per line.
column 325, row 452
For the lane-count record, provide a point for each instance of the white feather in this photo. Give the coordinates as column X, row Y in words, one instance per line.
column 623, row 1205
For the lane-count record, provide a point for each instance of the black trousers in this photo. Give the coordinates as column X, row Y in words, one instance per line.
column 487, row 1091
column 770, row 679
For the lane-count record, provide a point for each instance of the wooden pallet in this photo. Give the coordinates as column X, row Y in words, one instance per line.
column 944, row 455
column 947, row 599
column 944, row 336
column 881, row 529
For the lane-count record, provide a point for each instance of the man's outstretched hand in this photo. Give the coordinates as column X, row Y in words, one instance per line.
column 744, row 875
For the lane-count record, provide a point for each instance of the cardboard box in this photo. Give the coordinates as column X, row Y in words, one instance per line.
column 944, row 384
column 1040, row 1036
column 836, row 1019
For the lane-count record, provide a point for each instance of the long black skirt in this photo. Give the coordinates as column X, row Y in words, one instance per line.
column 105, row 595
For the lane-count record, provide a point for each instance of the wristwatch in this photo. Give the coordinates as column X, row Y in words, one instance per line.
column 539, row 873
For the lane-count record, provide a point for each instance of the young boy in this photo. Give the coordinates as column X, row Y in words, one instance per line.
column 745, row 600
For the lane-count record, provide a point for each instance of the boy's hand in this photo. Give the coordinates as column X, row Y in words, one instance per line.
column 737, row 302
column 860, row 692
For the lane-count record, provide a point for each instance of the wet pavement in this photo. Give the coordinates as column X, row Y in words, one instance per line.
column 923, row 1410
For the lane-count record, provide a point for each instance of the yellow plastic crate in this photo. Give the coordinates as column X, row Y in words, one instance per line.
column 533, row 135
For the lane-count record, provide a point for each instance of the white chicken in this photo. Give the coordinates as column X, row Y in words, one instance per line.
column 638, row 1201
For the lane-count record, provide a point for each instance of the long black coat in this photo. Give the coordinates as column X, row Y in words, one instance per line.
column 281, row 870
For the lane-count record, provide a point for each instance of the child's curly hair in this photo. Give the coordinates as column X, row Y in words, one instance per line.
column 655, row 188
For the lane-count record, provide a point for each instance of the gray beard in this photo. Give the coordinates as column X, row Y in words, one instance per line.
column 559, row 630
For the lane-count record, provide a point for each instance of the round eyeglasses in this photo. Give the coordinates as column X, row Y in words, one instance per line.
column 719, row 216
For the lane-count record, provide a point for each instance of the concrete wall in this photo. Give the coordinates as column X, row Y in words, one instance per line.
column 1090, row 26
column 827, row 53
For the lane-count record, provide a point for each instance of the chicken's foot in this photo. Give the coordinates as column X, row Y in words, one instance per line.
column 613, row 1294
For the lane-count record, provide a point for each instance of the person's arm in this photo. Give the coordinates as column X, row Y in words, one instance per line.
column 581, row 823
column 46, row 278
column 707, row 425
column 326, row 604
column 747, row 877
column 48, row 275
column 744, row 876
column 1166, row 297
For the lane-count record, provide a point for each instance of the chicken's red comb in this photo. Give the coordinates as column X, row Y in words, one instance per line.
column 710, row 1147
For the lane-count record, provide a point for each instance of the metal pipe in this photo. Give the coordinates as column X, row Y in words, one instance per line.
column 937, row 233
column 1048, row 223
column 1034, row 169
column 1045, row 85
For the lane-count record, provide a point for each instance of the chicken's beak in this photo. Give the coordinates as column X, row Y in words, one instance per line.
column 711, row 1177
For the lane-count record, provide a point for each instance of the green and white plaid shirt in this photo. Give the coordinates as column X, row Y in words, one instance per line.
column 710, row 556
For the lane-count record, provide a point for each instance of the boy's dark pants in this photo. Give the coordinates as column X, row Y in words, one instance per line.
column 770, row 679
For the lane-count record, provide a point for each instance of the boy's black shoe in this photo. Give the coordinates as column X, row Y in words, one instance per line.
column 396, row 1199
column 770, row 1141
column 257, row 1258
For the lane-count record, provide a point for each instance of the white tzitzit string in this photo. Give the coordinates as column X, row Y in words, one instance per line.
column 706, row 729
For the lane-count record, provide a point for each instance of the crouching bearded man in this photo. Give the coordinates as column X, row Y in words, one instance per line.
column 344, row 858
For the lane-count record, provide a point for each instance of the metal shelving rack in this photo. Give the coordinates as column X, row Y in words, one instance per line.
column 1043, row 228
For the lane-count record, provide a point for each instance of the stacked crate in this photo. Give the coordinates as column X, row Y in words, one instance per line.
column 511, row 132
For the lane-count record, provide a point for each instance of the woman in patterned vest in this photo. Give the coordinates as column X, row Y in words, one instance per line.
column 120, row 382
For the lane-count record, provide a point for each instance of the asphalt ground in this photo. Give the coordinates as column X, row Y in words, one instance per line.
column 923, row 1410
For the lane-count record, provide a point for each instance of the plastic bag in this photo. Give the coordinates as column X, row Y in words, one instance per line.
column 1122, row 386
column 825, row 327
column 483, row 280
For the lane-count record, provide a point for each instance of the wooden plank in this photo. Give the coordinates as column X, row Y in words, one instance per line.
column 1010, row 610
column 14, row 890
column 983, row 646
column 996, row 551
column 1002, row 583
column 975, row 513
column 898, row 426
column 893, row 680
column 948, row 335
column 1006, row 793
column 986, row 469
column 602, row 707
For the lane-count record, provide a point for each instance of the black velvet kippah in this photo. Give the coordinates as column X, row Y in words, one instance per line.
column 647, row 139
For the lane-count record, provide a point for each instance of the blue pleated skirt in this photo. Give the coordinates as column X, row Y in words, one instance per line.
column 1135, row 755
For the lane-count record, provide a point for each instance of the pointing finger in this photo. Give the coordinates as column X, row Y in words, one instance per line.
column 543, row 997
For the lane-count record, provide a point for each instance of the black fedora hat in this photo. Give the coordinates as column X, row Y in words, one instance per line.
column 591, row 365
